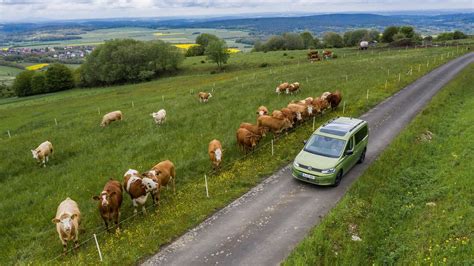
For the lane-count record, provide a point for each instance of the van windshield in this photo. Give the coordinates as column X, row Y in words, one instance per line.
column 325, row 146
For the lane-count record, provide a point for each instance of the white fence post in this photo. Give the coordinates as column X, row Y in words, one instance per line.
column 272, row 147
column 133, row 104
column 399, row 76
column 386, row 81
column 98, row 110
column 207, row 189
column 98, row 248
column 343, row 107
column 56, row 121
column 9, row 135
column 163, row 98
column 314, row 118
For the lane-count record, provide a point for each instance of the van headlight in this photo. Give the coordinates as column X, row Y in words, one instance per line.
column 328, row 171
column 296, row 164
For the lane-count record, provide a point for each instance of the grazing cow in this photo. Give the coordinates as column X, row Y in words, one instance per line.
column 327, row 54
column 325, row 95
column 110, row 200
column 204, row 96
column 334, row 99
column 274, row 124
column 302, row 110
column 262, row 110
column 278, row 114
column 293, row 88
column 41, row 154
column 247, row 140
column 110, row 117
column 282, row 87
column 159, row 116
column 320, row 104
column 163, row 173
column 67, row 220
column 254, row 129
column 138, row 188
column 215, row 153
column 293, row 117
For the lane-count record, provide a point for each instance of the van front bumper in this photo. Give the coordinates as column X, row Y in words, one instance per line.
column 313, row 177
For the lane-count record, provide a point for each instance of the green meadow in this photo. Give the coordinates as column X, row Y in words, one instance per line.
column 86, row 155
column 414, row 205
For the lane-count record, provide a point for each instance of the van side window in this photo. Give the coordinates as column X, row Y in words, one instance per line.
column 360, row 135
column 350, row 144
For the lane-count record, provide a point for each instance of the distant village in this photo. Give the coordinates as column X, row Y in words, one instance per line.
column 47, row 54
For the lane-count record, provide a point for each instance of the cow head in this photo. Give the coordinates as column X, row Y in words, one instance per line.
column 104, row 198
column 152, row 174
column 149, row 184
column 65, row 221
column 35, row 154
column 218, row 153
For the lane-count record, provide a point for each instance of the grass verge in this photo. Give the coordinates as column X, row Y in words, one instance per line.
column 414, row 205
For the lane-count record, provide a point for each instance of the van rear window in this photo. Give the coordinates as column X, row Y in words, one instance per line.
column 360, row 135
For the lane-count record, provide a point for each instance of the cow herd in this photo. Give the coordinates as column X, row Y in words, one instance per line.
column 140, row 186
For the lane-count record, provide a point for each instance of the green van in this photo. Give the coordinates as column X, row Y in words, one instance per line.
column 333, row 149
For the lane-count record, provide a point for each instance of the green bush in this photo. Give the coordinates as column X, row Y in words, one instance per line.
column 58, row 77
column 22, row 83
column 38, row 83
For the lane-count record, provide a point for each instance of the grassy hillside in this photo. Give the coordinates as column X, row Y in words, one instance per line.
column 414, row 205
column 86, row 156
column 7, row 74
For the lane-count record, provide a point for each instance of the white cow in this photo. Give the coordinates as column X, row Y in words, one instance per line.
column 159, row 116
column 67, row 221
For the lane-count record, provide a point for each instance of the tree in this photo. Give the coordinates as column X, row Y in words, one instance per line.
column 38, row 83
column 353, row 38
column 459, row 35
column 217, row 52
column 317, row 43
column 333, row 40
column 293, row 41
column 308, row 40
column 22, row 83
column 399, row 36
column 195, row 50
column 275, row 43
column 58, row 77
column 205, row 38
column 374, row 35
column 408, row 31
column 388, row 33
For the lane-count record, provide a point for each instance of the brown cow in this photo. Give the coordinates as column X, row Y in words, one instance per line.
column 278, row 114
column 138, row 188
column 247, row 140
column 282, row 87
column 334, row 99
column 163, row 173
column 303, row 111
column 254, row 129
column 262, row 110
column 204, row 96
column 293, row 88
column 215, row 153
column 110, row 117
column 274, row 124
column 320, row 105
column 110, row 200
column 289, row 115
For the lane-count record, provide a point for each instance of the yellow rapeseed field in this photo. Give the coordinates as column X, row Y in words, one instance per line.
column 164, row 34
column 185, row 45
column 233, row 50
column 36, row 67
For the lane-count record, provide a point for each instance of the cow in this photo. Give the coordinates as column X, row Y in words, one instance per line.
column 325, row 95
column 215, row 153
column 247, row 140
column 67, row 220
column 282, row 87
column 159, row 117
column 334, row 99
column 327, row 54
column 320, row 105
column 204, row 96
column 110, row 200
column 303, row 111
column 138, row 188
column 110, row 117
column 42, row 152
column 293, row 117
column 274, row 124
column 254, row 129
column 293, row 88
column 163, row 173
column 262, row 110
column 278, row 114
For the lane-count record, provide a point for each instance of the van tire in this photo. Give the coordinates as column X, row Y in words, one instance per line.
column 338, row 179
column 362, row 156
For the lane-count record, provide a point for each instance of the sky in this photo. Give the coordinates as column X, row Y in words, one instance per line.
column 27, row 10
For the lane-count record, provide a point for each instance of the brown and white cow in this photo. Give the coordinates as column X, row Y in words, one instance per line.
column 110, row 117
column 42, row 152
column 334, row 99
column 293, row 88
column 204, row 96
column 163, row 173
column 110, row 200
column 215, row 153
column 282, row 87
column 67, row 220
column 274, row 124
column 138, row 188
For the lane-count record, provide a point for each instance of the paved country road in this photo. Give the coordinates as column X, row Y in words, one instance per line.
column 264, row 225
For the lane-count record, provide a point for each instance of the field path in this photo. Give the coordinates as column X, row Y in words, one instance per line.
column 264, row 225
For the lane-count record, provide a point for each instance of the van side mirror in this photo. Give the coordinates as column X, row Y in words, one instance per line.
column 349, row 152
column 305, row 141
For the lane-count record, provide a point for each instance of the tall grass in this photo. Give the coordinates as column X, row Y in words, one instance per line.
column 86, row 156
column 414, row 205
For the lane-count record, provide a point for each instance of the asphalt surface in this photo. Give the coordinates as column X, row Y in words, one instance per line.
column 264, row 225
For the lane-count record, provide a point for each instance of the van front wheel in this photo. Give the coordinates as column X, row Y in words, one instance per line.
column 338, row 179
column 362, row 156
